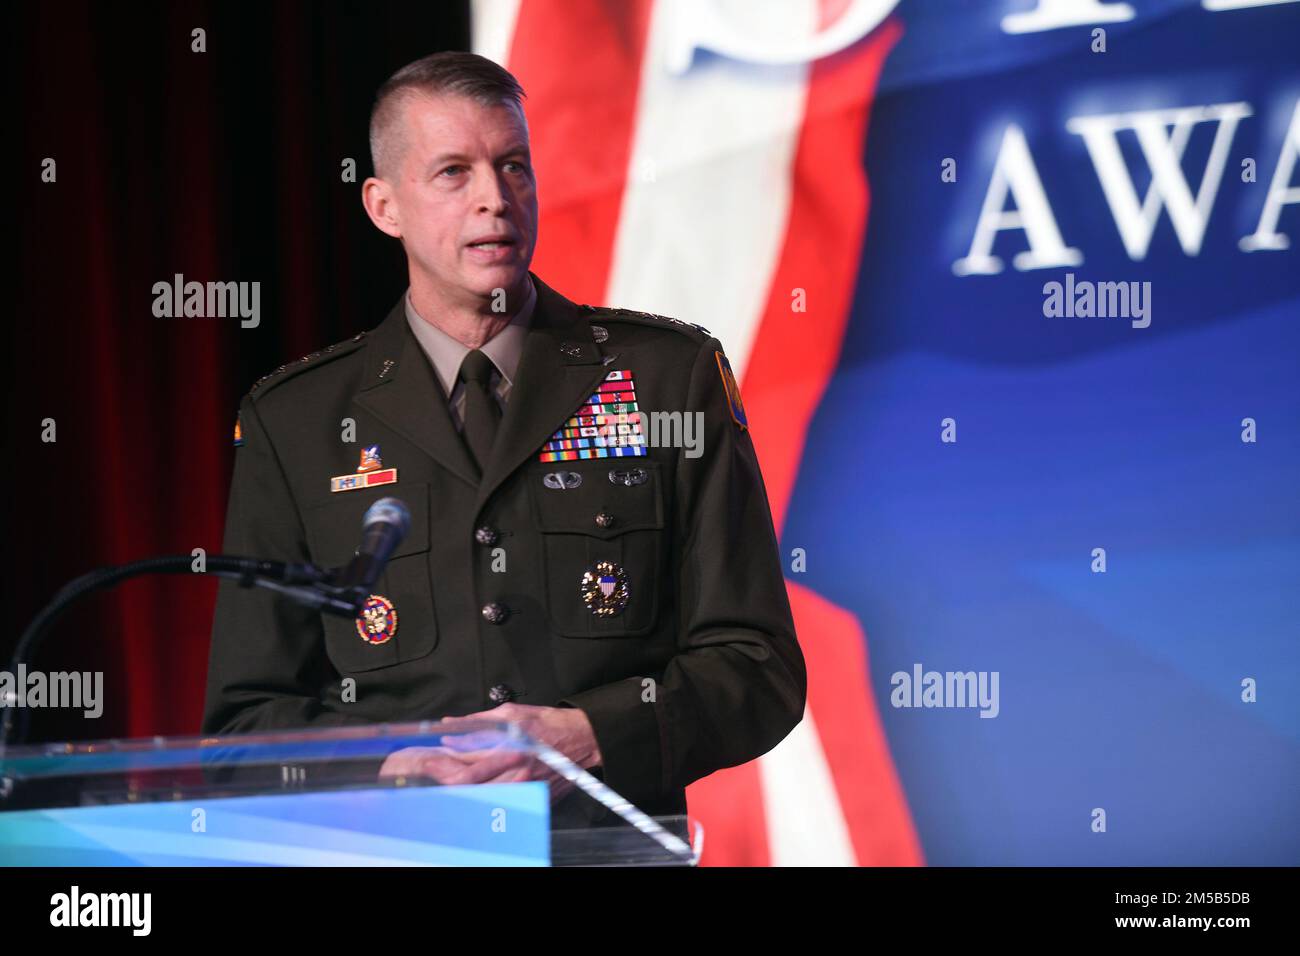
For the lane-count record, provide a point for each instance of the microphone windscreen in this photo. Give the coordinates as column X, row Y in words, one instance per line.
column 389, row 511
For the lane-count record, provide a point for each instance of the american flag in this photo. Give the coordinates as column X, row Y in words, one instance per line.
column 730, row 191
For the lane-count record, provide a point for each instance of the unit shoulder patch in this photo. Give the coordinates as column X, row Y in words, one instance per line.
column 315, row 359
column 732, row 390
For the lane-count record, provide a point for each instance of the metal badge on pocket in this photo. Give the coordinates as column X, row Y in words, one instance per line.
column 604, row 589
column 562, row 480
column 628, row 476
column 377, row 622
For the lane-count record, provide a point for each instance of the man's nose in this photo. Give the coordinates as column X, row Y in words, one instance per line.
column 493, row 196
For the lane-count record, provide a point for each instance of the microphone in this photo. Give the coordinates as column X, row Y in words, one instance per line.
column 342, row 592
column 382, row 529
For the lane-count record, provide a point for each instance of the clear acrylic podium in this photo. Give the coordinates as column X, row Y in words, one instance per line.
column 315, row 798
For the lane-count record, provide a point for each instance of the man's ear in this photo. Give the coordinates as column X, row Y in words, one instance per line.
column 381, row 206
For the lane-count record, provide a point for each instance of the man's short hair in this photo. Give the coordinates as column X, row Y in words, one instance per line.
column 452, row 73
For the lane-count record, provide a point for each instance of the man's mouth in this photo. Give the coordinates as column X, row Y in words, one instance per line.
column 492, row 251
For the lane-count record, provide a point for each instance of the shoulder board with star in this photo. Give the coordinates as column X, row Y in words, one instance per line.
column 314, row 360
column 600, row 314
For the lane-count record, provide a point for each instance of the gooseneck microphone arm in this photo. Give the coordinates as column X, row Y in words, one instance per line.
column 303, row 583
column 342, row 591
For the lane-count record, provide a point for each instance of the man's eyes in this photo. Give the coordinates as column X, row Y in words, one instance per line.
column 511, row 166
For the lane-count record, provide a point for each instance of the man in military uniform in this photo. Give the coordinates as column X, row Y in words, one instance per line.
column 621, row 601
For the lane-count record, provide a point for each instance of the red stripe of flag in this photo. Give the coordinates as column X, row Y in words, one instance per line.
column 790, row 365
column 579, row 61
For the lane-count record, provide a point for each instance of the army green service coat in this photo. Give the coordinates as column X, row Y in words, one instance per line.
column 699, row 670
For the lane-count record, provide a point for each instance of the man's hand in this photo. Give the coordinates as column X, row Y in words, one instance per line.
column 468, row 758
column 566, row 729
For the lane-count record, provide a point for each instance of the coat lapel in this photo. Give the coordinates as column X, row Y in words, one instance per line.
column 401, row 389
column 561, row 365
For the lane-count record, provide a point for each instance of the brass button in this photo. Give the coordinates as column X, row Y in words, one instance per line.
column 501, row 694
column 494, row 613
column 486, row 535
column 604, row 520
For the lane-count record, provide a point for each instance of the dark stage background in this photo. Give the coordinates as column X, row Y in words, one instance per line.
column 222, row 166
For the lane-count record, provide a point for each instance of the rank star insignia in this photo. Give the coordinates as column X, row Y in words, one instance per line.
column 604, row 589
column 377, row 622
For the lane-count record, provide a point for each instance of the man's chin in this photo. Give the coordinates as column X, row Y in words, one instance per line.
column 485, row 281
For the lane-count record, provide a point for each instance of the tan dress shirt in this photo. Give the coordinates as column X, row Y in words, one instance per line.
column 446, row 354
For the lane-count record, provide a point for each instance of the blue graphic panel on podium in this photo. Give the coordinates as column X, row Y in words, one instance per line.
column 487, row 825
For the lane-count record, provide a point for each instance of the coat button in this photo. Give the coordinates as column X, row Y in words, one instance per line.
column 501, row 694
column 486, row 535
column 604, row 520
column 494, row 613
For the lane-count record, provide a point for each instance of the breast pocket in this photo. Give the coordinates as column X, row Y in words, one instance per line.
column 602, row 528
column 333, row 533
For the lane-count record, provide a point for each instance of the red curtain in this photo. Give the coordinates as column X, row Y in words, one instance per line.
column 222, row 165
